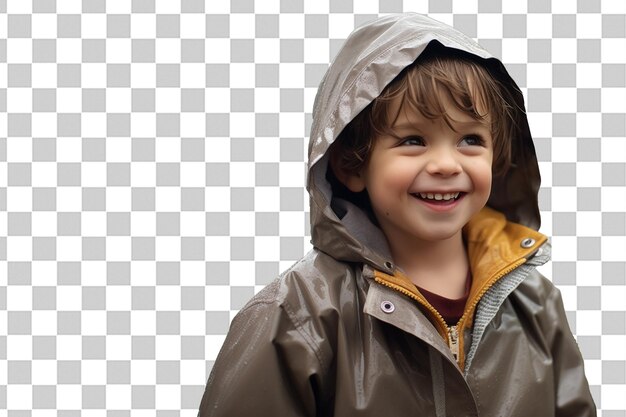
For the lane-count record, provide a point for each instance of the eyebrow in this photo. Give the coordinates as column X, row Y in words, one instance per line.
column 409, row 125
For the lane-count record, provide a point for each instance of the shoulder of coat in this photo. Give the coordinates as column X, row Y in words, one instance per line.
column 315, row 276
column 534, row 291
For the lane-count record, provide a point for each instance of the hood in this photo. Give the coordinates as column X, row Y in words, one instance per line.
column 371, row 57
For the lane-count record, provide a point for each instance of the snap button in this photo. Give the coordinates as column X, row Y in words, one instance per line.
column 527, row 243
column 387, row 307
column 388, row 265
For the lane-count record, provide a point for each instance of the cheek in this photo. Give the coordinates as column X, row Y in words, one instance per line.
column 394, row 181
column 390, row 175
column 480, row 173
column 481, row 176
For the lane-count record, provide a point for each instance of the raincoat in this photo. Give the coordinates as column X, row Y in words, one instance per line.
column 344, row 333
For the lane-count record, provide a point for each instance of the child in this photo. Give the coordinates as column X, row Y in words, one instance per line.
column 421, row 296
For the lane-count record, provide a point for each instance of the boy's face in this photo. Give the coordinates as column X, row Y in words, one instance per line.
column 428, row 184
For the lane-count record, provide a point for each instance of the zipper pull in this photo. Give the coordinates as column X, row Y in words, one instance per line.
column 453, row 341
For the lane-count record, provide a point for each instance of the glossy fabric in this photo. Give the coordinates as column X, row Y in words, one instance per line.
column 344, row 333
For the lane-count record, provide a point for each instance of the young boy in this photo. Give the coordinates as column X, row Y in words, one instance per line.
column 421, row 295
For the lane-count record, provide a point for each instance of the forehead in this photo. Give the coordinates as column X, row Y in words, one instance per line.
column 402, row 112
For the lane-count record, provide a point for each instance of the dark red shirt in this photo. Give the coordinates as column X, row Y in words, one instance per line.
column 451, row 310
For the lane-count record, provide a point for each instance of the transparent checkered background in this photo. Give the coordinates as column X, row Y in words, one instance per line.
column 152, row 170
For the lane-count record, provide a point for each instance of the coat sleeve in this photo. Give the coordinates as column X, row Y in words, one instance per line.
column 573, row 398
column 266, row 367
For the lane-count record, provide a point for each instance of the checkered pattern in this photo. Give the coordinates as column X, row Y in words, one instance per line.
column 152, row 170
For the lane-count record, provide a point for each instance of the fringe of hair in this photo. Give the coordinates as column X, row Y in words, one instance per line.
column 469, row 86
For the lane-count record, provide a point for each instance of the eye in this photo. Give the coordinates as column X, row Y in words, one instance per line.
column 472, row 140
column 413, row 141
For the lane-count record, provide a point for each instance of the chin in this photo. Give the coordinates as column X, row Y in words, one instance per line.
column 437, row 235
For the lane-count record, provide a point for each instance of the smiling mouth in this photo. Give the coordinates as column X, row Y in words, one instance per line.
column 439, row 197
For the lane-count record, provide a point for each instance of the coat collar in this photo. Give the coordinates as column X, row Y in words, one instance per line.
column 495, row 248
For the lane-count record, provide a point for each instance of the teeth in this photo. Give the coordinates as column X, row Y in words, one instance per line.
column 438, row 197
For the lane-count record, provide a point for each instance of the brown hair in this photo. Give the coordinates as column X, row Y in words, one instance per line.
column 469, row 85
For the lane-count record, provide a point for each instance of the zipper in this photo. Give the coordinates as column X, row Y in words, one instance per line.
column 451, row 333
column 453, row 337
column 486, row 288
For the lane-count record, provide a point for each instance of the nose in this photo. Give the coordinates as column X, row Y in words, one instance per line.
column 443, row 161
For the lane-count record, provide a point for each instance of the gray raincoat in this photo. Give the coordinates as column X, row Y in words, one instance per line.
column 344, row 333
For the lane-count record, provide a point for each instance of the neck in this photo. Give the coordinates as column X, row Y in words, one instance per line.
column 437, row 266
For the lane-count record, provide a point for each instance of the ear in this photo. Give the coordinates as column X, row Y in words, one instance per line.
column 353, row 181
